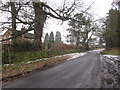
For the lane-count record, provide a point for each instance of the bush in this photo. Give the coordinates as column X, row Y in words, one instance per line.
column 23, row 45
column 23, row 50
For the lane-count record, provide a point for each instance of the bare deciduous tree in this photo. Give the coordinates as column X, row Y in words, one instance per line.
column 39, row 16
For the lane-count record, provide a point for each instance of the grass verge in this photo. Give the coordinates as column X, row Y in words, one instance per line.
column 22, row 69
column 113, row 51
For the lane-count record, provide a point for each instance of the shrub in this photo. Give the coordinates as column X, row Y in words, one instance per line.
column 23, row 45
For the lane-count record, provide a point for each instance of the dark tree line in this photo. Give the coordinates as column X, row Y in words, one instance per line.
column 111, row 32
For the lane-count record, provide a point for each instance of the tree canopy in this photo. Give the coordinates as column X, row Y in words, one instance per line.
column 111, row 33
column 81, row 30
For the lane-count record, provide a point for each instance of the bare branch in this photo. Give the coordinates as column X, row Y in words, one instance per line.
column 89, row 7
column 15, row 36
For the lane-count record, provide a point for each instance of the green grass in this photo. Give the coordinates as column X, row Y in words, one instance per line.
column 113, row 51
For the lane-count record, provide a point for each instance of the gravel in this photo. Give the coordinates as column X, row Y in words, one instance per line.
column 111, row 71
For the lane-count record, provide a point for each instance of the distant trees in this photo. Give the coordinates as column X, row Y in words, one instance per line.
column 50, row 42
column 111, row 30
column 81, row 30
column 58, row 37
column 75, row 28
column 46, row 41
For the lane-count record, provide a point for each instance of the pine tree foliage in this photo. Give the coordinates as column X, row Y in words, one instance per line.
column 58, row 37
column 46, row 41
column 51, row 40
column 111, row 33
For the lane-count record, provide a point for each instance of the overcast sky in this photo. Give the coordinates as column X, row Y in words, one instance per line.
column 99, row 9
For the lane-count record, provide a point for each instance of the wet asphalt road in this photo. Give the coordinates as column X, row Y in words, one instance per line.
column 82, row 72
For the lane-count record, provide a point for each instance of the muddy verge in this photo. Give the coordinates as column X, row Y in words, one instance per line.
column 37, row 66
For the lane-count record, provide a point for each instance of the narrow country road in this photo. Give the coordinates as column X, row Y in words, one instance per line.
column 81, row 72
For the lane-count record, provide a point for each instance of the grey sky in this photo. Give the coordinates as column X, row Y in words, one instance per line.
column 99, row 9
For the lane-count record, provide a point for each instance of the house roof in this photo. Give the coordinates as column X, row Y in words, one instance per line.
column 29, row 35
column 26, row 35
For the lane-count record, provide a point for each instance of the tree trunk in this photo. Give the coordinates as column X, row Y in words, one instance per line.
column 78, row 41
column 87, row 45
column 13, row 10
column 40, row 18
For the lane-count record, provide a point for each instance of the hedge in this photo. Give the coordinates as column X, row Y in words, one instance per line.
column 12, row 57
